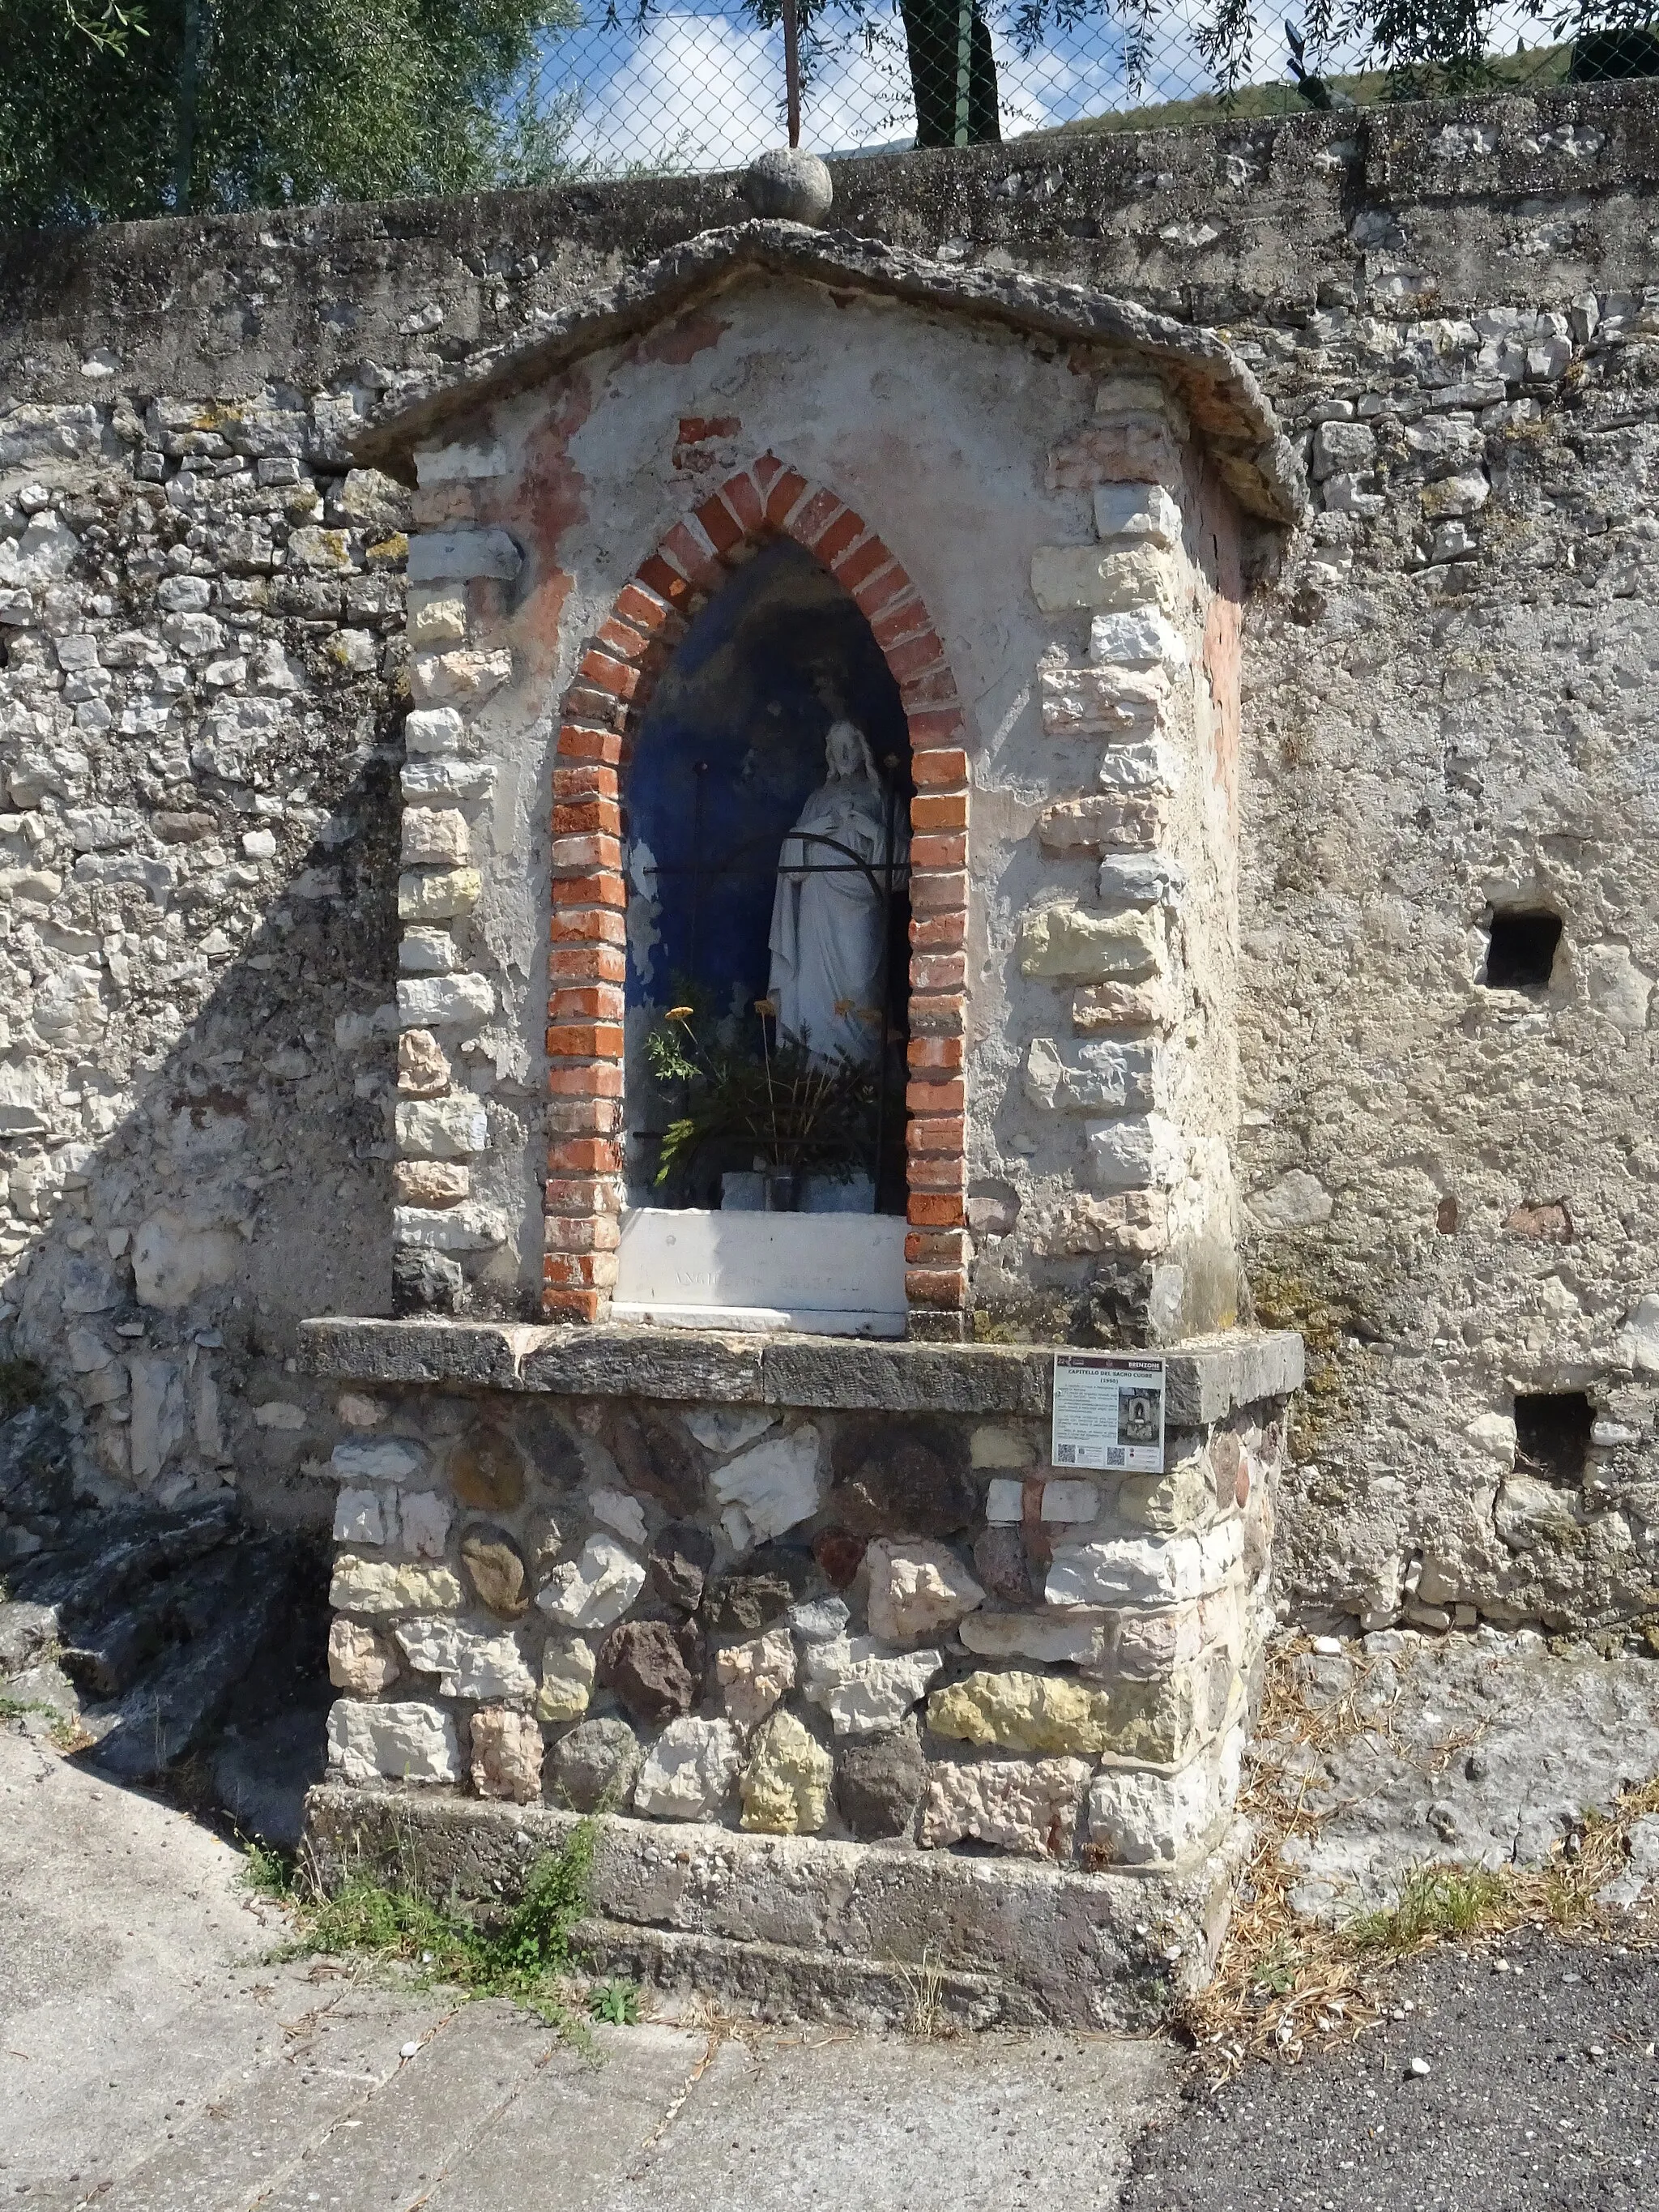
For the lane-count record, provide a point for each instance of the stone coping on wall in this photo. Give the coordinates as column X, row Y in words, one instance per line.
column 1226, row 402
column 803, row 1928
column 1207, row 1378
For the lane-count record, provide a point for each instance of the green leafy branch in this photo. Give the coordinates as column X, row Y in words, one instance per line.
column 780, row 1103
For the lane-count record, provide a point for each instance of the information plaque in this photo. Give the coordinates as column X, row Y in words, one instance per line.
column 1108, row 1412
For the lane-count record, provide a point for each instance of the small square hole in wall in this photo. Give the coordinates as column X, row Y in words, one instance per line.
column 1522, row 951
column 1553, row 1434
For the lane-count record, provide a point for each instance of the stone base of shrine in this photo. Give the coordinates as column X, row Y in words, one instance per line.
column 800, row 1928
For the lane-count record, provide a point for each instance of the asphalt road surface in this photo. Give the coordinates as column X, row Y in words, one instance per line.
column 1534, row 2089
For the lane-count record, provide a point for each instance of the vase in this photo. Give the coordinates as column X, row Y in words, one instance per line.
column 783, row 1190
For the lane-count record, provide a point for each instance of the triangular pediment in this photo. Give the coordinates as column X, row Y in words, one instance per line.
column 1229, row 412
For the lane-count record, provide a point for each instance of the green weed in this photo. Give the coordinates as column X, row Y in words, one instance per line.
column 525, row 1956
column 1434, row 1901
column 268, row 1872
column 615, row 2002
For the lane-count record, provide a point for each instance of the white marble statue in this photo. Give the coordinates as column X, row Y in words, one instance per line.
column 827, row 930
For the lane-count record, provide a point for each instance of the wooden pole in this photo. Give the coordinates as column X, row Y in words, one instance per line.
column 792, row 67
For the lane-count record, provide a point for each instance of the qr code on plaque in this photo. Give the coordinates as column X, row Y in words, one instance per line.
column 1116, row 1456
column 1065, row 1454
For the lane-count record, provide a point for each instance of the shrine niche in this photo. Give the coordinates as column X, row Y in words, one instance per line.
column 767, row 861
column 996, row 533
column 867, row 634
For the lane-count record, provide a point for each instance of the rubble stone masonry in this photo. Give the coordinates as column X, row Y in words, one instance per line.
column 1444, row 1170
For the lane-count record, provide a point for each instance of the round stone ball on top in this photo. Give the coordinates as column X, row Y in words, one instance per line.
column 787, row 185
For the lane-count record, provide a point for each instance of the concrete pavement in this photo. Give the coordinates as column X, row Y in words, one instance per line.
column 151, row 2060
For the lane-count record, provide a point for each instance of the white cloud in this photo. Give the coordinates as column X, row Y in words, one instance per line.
column 702, row 86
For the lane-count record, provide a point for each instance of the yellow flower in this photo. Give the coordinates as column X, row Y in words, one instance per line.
column 766, row 1006
column 680, row 1013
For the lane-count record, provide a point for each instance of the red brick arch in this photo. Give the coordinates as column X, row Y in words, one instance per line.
column 599, row 715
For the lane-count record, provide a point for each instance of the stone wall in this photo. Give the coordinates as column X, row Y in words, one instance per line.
column 1447, row 696
column 899, row 1630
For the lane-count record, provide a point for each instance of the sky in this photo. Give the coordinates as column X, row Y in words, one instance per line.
column 702, row 86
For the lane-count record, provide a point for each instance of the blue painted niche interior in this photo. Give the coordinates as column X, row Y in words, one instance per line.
column 731, row 745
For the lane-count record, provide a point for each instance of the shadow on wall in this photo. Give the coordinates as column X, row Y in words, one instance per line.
column 198, row 740
column 162, row 1269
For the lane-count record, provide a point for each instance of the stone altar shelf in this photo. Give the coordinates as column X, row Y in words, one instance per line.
column 869, row 1688
column 820, row 1274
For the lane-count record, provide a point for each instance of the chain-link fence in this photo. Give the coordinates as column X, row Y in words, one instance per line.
column 646, row 86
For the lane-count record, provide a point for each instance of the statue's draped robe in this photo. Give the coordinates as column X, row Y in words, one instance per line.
column 828, row 930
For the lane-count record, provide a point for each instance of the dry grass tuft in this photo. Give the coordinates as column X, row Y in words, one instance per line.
column 1284, row 1985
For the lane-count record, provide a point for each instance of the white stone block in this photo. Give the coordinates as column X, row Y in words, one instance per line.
column 437, row 730
column 1078, row 1638
column 468, row 1664
column 172, row 1261
column 594, row 1589
column 1004, row 1502
column 1138, row 511
column 381, row 1586
column 408, row 1741
column 1066, row 944
column 1107, row 702
column 1075, row 579
column 358, row 1518
column 1094, row 1077
column 776, row 1484
column 463, row 781
column 1342, row 445
column 437, row 894
column 435, row 619
column 427, row 953
column 723, row 1429
column 435, row 837
column 1157, row 1820
column 916, row 1590
column 1069, row 1498
column 819, row 1620
column 458, row 464
column 424, row 1519
column 568, row 1670
column 1149, row 768
column 458, row 674
column 1637, row 1345
column 463, row 1228
column 426, row 1002
column 1136, row 1154
column 754, row 1675
column 619, row 1511
column 1140, row 879
column 1146, row 1570
column 1139, row 639
column 1025, row 1805
column 442, row 557
column 690, row 1771
column 865, row 1689
column 376, row 1459
column 842, row 1273
column 441, row 1128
